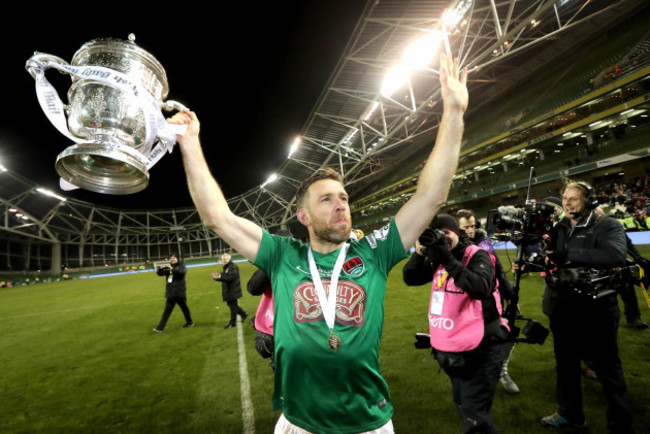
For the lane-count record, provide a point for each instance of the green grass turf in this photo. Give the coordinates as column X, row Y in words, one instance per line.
column 81, row 356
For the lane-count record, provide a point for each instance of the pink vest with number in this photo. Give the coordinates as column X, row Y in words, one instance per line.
column 455, row 319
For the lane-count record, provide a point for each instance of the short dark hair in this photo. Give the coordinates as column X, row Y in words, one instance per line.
column 464, row 213
column 320, row 174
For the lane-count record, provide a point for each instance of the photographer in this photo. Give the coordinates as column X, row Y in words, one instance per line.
column 465, row 328
column 260, row 284
column 584, row 316
column 467, row 224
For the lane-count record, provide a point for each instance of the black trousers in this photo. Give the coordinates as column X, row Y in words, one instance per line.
column 630, row 301
column 474, row 386
column 587, row 329
column 169, row 306
column 234, row 310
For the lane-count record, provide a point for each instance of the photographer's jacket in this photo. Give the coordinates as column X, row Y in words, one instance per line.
column 175, row 287
column 595, row 242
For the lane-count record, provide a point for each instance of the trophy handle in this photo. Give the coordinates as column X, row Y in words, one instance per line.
column 170, row 105
column 41, row 61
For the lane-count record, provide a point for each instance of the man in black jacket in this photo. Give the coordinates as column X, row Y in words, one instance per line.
column 584, row 318
column 174, row 291
column 230, row 289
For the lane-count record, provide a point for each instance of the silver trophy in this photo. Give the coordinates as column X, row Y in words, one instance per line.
column 113, row 115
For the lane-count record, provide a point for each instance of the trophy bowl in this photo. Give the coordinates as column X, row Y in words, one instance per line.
column 115, row 83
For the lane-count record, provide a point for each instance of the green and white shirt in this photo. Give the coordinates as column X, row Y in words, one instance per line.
column 319, row 389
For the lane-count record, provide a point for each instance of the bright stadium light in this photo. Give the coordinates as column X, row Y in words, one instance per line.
column 2, row 168
column 294, row 146
column 396, row 78
column 450, row 18
column 421, row 52
column 271, row 179
column 371, row 111
column 51, row 194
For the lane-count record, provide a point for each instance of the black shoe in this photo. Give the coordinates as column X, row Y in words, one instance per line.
column 189, row 324
column 229, row 325
column 157, row 330
column 638, row 324
column 244, row 316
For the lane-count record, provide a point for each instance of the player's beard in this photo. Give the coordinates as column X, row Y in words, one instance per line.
column 326, row 232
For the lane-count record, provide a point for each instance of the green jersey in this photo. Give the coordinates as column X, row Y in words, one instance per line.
column 319, row 389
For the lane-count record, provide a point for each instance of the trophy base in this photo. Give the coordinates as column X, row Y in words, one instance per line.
column 103, row 168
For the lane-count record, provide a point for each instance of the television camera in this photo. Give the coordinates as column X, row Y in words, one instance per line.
column 525, row 225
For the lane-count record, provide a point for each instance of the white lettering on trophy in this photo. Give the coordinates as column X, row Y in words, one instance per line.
column 50, row 101
column 125, row 82
column 95, row 73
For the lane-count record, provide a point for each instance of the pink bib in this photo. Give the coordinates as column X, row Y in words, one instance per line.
column 264, row 315
column 455, row 319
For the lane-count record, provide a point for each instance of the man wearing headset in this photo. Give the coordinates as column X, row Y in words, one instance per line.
column 585, row 322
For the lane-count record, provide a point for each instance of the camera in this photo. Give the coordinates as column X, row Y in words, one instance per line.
column 431, row 236
column 594, row 283
column 521, row 225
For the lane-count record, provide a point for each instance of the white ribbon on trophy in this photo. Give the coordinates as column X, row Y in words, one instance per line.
column 156, row 125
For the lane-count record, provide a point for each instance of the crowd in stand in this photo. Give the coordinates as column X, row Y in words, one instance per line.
column 628, row 202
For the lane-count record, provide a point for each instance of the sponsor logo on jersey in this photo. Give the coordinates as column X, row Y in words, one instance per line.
column 350, row 303
column 354, row 266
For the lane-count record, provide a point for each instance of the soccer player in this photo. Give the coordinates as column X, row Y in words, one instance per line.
column 327, row 375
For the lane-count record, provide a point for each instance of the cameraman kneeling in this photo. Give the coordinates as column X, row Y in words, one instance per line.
column 466, row 330
column 584, row 316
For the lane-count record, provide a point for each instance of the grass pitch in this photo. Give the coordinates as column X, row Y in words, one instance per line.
column 81, row 356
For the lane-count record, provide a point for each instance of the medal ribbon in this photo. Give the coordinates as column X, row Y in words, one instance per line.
column 327, row 303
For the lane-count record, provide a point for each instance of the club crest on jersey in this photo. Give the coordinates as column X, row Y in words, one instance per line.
column 354, row 266
column 350, row 303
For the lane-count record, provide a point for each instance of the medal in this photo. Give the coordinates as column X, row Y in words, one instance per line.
column 328, row 302
column 333, row 341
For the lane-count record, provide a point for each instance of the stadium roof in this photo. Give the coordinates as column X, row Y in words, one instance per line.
column 362, row 133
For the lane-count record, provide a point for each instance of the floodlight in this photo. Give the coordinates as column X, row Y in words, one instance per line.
column 272, row 178
column 294, row 146
column 371, row 111
column 450, row 18
column 396, row 78
column 2, row 168
column 51, row 194
column 421, row 52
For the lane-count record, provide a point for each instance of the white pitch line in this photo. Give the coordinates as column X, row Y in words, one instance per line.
column 246, row 403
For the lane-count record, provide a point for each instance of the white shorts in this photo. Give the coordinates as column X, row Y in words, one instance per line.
column 285, row 427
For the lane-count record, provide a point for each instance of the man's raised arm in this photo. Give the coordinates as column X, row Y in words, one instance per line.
column 435, row 179
column 243, row 235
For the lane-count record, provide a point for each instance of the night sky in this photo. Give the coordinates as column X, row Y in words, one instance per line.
column 252, row 73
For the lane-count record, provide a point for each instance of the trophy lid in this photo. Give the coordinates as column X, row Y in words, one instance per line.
column 125, row 56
